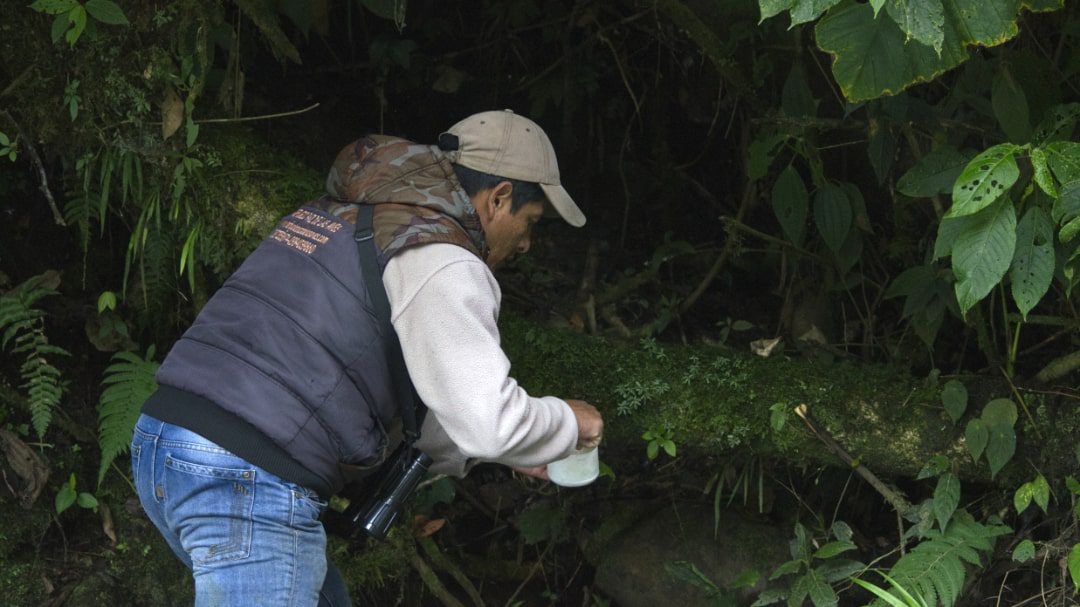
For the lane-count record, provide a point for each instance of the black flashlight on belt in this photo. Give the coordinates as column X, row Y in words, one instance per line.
column 398, row 478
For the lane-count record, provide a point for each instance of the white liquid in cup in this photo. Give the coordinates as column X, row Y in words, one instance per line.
column 577, row 469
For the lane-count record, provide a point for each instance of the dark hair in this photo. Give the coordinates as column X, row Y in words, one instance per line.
column 524, row 192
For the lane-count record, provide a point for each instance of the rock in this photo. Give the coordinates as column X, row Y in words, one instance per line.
column 635, row 568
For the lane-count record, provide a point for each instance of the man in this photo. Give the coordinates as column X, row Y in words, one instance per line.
column 281, row 391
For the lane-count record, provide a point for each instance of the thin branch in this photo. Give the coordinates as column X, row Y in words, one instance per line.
column 1023, row 403
column 16, row 82
column 262, row 117
column 443, row 562
column 895, row 499
column 429, row 577
column 539, row 561
column 43, row 184
column 742, row 227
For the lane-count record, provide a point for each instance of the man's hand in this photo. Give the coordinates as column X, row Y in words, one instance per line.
column 536, row 472
column 590, row 424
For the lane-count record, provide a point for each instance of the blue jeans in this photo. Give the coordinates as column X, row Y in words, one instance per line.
column 249, row 537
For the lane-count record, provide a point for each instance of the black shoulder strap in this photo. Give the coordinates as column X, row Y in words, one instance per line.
column 412, row 408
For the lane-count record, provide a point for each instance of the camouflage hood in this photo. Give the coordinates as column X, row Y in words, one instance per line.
column 416, row 195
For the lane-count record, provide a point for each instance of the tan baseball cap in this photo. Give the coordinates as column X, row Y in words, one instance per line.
column 512, row 146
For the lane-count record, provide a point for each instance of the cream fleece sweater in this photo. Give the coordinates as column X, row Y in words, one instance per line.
column 444, row 305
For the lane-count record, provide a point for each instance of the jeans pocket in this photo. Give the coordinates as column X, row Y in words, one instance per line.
column 212, row 506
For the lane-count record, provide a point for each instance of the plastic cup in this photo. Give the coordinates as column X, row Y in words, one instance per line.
column 577, row 469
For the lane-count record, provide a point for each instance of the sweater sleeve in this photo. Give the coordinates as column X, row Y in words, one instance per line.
column 444, row 306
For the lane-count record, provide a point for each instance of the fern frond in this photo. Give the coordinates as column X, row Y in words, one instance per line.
column 25, row 326
column 935, row 569
column 130, row 380
column 77, row 214
column 41, row 380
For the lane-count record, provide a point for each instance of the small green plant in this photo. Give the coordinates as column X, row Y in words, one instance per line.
column 726, row 326
column 72, row 98
column 543, row 522
column 1037, row 490
column 740, row 477
column 813, row 568
column 8, row 147
column 659, row 438
column 68, row 495
column 718, row 595
column 634, row 394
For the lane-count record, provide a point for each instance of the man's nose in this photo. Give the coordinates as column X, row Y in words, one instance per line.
column 523, row 246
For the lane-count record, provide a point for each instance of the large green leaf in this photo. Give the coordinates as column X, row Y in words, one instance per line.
column 1074, row 565
column 1000, row 412
column 106, row 11
column 762, row 152
column 934, row 173
column 983, row 251
column 946, row 498
column 948, row 230
column 832, row 213
column 1041, row 170
column 53, row 7
column 922, row 20
column 1000, row 448
column 1010, row 106
column 975, row 437
column 797, row 99
column 1064, row 159
column 1032, row 268
column 821, row 593
column 790, row 202
column 873, row 58
column 1059, row 123
column 1069, row 230
column 1067, row 206
column 882, row 149
column 984, row 180
column 954, row 396
column 1042, row 6
column 801, row 10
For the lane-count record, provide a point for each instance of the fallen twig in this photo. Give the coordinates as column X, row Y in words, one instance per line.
column 43, row 184
column 431, row 580
column 446, row 564
column 895, row 499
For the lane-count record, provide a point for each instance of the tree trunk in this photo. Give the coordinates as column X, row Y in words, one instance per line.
column 716, row 401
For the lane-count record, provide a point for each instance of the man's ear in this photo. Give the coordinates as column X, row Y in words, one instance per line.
column 502, row 194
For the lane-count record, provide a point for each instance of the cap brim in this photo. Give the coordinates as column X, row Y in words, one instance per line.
column 564, row 205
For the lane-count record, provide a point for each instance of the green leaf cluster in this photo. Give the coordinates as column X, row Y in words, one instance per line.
column 68, row 496
column 71, row 16
column 981, row 232
column 883, row 52
column 1037, row 490
column 657, row 439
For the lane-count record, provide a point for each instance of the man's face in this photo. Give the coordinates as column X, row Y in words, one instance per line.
column 507, row 232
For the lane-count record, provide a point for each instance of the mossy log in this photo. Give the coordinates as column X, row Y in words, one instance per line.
column 718, row 402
